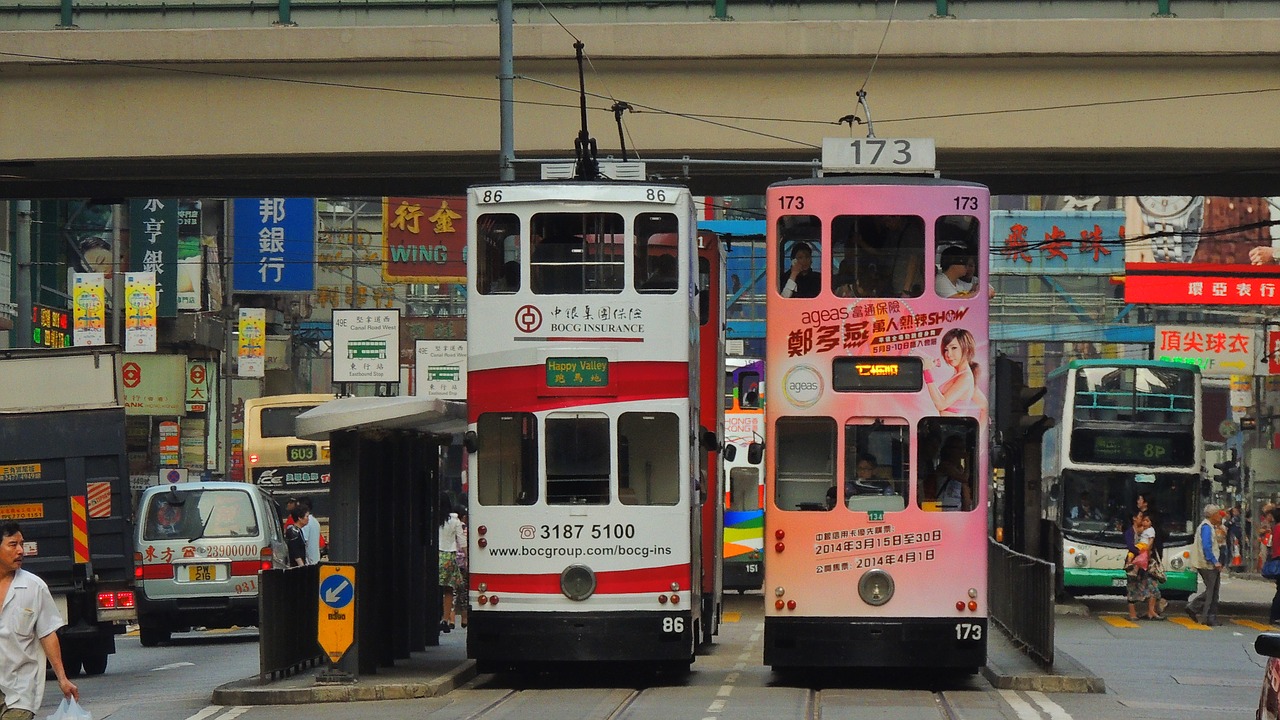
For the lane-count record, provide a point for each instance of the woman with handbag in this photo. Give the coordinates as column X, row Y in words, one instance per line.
column 1272, row 567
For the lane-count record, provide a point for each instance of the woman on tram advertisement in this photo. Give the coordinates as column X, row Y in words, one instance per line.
column 958, row 394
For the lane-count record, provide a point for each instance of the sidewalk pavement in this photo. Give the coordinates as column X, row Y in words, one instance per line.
column 430, row 673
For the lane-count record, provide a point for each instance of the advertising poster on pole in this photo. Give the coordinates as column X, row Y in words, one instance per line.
column 366, row 345
column 252, row 345
column 440, row 369
column 140, row 312
column 88, row 300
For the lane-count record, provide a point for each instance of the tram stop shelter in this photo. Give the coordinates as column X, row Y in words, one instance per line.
column 385, row 470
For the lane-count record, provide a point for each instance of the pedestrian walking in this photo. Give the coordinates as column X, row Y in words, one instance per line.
column 1140, row 586
column 29, row 622
column 310, row 533
column 451, row 534
column 1273, row 552
column 462, row 593
column 1203, row 608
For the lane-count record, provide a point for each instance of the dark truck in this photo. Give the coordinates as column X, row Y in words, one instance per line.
column 64, row 477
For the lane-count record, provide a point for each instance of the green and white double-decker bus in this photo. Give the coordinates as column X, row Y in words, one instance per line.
column 1125, row 428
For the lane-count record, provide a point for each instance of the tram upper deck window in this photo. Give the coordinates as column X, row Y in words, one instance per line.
column 956, row 257
column 947, row 464
column 507, row 473
column 577, row 253
column 497, row 253
column 805, row 463
column 876, row 464
column 578, row 462
column 648, row 470
column 877, row 256
column 657, row 252
column 800, row 242
column 1131, row 394
column 749, row 390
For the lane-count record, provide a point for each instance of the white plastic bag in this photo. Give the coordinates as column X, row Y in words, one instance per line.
column 69, row 709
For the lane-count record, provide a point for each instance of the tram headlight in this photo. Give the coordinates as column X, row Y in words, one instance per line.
column 875, row 587
column 577, row 582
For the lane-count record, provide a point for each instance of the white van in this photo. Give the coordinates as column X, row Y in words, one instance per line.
column 199, row 549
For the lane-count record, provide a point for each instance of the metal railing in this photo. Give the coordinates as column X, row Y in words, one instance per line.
column 288, row 607
column 1020, row 594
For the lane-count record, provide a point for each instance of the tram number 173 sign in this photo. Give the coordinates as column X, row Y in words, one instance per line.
column 337, row 621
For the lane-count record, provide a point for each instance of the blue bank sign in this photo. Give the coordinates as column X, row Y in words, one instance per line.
column 275, row 245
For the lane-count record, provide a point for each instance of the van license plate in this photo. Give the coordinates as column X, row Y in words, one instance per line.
column 202, row 573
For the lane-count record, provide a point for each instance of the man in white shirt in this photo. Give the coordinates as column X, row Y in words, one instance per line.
column 29, row 622
column 956, row 264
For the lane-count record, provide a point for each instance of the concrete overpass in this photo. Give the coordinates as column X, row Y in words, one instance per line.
column 390, row 100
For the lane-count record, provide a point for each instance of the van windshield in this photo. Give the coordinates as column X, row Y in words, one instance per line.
column 206, row 513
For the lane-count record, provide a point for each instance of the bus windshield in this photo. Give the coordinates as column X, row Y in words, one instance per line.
column 1100, row 505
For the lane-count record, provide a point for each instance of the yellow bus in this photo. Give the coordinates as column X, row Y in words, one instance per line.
column 278, row 461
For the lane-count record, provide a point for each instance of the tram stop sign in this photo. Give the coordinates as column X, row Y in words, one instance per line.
column 337, row 624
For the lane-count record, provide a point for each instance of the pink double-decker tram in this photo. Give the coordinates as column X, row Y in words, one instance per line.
column 588, row 467
column 876, row 344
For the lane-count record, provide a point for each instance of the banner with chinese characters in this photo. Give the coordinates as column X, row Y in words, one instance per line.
column 366, row 345
column 89, row 305
column 153, row 247
column 140, row 312
column 251, row 348
column 424, row 239
column 275, row 245
column 1061, row 242
column 1218, row 351
column 1202, row 250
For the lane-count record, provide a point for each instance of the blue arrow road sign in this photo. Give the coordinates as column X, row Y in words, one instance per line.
column 337, row 591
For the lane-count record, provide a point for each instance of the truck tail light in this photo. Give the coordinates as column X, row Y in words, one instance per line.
column 106, row 600
column 124, row 599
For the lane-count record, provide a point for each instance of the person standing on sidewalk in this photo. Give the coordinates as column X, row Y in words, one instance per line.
column 29, row 622
column 1203, row 608
column 1273, row 552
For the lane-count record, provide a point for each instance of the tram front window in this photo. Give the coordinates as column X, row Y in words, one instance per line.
column 805, row 453
column 578, row 459
column 507, row 457
column 875, row 464
column 877, row 256
column 648, row 470
column 577, row 253
column 948, row 461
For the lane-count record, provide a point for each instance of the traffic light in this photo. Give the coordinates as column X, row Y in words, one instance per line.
column 1013, row 399
column 1229, row 471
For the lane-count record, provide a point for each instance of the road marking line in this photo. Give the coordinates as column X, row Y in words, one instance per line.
column 732, row 616
column 1055, row 711
column 211, row 710
column 1023, row 708
column 1188, row 623
column 716, row 706
column 234, row 713
column 1253, row 624
column 173, row 666
column 1119, row 621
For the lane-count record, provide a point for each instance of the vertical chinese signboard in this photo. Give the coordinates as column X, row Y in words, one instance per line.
column 153, row 247
column 275, row 245
column 424, row 239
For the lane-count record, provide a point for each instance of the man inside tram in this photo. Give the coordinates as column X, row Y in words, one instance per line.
column 956, row 264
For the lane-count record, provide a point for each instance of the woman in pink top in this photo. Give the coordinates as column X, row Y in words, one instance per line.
column 958, row 394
